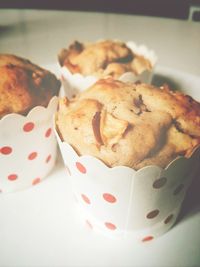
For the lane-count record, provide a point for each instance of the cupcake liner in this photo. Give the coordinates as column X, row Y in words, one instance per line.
column 74, row 83
column 27, row 147
column 122, row 202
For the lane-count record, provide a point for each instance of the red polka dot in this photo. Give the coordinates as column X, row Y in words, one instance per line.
column 32, row 155
column 86, row 199
column 48, row 132
column 89, row 224
column 152, row 214
column 6, row 150
column 178, row 189
column 110, row 226
column 36, row 181
column 48, row 158
column 109, row 198
column 147, row 238
column 28, row 127
column 80, row 167
column 12, row 177
column 160, row 182
column 168, row 219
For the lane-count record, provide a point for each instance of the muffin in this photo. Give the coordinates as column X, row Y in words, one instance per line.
column 131, row 151
column 24, row 85
column 132, row 125
column 83, row 64
column 103, row 58
column 28, row 100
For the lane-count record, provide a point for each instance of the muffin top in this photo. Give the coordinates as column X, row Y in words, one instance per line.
column 102, row 59
column 24, row 85
column 134, row 125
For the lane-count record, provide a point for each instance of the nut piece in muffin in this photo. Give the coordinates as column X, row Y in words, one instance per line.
column 103, row 59
column 133, row 125
column 24, row 85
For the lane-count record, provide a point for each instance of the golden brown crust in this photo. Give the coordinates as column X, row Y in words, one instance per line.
column 24, row 85
column 133, row 125
column 102, row 59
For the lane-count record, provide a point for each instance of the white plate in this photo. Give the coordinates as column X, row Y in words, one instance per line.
column 41, row 226
column 178, row 80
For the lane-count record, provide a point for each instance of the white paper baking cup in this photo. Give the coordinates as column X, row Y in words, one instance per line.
column 27, row 147
column 74, row 83
column 122, row 202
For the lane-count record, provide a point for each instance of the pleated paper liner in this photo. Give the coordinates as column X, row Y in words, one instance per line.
column 121, row 202
column 28, row 147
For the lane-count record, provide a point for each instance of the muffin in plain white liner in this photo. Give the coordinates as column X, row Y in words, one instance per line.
column 140, row 199
column 28, row 147
column 76, row 82
column 121, row 202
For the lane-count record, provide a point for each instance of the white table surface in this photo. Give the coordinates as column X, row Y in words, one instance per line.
column 41, row 226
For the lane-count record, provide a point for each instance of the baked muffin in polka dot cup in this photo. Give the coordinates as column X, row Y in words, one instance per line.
column 27, row 142
column 82, row 64
column 131, row 151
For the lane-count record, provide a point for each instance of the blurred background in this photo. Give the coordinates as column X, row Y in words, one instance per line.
column 179, row 9
column 39, row 29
